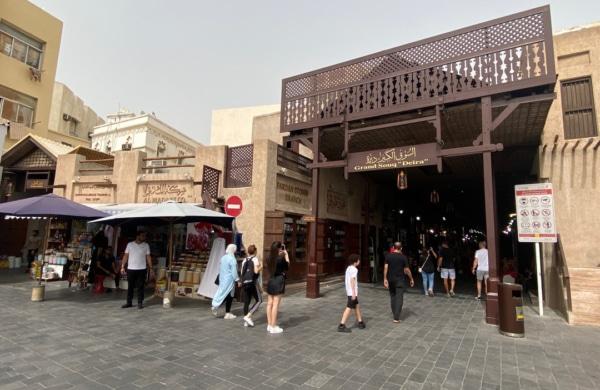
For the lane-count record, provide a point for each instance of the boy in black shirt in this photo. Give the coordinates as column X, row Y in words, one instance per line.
column 396, row 266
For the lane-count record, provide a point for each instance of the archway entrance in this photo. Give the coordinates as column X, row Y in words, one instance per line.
column 475, row 93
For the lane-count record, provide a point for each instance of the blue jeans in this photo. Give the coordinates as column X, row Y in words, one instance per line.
column 427, row 281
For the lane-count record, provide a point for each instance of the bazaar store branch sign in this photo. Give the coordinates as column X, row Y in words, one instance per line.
column 93, row 193
column 162, row 192
column 535, row 213
column 393, row 158
column 292, row 195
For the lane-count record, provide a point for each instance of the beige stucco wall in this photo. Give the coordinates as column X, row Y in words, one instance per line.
column 15, row 74
column 575, row 172
column 64, row 101
column 233, row 126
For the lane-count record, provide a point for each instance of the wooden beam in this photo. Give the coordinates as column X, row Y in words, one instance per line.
column 498, row 121
column 469, row 150
column 172, row 166
column 167, row 158
column 525, row 99
column 392, row 124
column 96, row 170
column 588, row 144
column 327, row 164
column 97, row 161
column 504, row 114
column 597, row 145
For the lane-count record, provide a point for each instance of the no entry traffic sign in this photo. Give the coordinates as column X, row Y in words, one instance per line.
column 233, row 206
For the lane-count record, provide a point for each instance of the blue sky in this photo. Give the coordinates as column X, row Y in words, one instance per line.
column 184, row 58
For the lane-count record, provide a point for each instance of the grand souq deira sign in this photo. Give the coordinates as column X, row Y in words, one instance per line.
column 393, row 158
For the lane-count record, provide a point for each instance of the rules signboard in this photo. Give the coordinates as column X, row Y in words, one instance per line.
column 535, row 213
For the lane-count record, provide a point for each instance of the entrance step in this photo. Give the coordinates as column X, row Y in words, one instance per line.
column 585, row 296
column 300, row 287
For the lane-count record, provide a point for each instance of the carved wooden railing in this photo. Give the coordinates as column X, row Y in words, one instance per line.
column 510, row 53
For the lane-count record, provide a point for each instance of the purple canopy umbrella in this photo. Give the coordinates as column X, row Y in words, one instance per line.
column 51, row 206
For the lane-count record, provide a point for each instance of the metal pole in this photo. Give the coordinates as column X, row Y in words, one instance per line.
column 538, row 269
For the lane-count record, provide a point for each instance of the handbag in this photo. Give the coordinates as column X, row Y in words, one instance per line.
column 420, row 269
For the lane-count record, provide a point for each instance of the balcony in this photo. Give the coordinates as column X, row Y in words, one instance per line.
column 504, row 55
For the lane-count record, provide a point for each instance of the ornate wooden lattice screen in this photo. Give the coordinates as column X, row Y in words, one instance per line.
column 239, row 166
column 505, row 54
column 36, row 160
column 210, row 181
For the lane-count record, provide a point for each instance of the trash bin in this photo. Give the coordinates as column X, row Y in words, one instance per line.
column 510, row 299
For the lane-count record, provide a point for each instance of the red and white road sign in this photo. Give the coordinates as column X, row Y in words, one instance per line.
column 535, row 213
column 233, row 206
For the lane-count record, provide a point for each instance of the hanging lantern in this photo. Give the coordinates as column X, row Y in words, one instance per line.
column 434, row 197
column 402, row 180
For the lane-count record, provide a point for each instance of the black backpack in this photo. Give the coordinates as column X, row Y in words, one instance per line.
column 248, row 271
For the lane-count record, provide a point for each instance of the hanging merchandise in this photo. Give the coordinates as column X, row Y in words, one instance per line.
column 207, row 285
column 402, row 180
column 434, row 197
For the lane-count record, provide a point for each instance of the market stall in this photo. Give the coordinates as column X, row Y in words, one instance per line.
column 182, row 274
column 58, row 252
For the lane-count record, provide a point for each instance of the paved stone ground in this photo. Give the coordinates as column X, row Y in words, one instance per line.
column 76, row 340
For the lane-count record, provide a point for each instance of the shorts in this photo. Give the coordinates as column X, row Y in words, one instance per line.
column 352, row 303
column 448, row 273
column 482, row 275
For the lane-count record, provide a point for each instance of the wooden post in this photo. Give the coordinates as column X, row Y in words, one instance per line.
column 492, row 305
column 365, row 265
column 312, row 277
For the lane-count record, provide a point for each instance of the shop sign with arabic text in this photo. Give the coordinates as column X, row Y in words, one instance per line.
column 162, row 192
column 393, row 158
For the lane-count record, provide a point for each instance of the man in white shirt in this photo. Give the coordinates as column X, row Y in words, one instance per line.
column 136, row 261
column 481, row 265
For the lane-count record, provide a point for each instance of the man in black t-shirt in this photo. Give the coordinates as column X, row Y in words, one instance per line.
column 447, row 267
column 395, row 268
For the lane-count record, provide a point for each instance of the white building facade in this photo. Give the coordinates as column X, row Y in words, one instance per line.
column 145, row 132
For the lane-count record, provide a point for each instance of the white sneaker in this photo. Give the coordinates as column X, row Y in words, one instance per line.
column 276, row 329
column 269, row 328
column 248, row 321
column 245, row 325
column 229, row 316
column 215, row 311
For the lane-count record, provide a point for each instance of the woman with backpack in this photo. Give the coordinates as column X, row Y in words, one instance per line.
column 427, row 269
column 278, row 265
column 251, row 268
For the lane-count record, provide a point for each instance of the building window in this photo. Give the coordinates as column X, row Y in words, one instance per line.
column 20, row 46
column 17, row 107
column 579, row 115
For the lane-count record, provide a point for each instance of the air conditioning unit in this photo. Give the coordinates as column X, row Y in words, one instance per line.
column 67, row 117
column 126, row 147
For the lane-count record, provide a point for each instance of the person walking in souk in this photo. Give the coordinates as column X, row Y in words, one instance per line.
column 251, row 268
column 227, row 280
column 351, row 284
column 395, row 270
